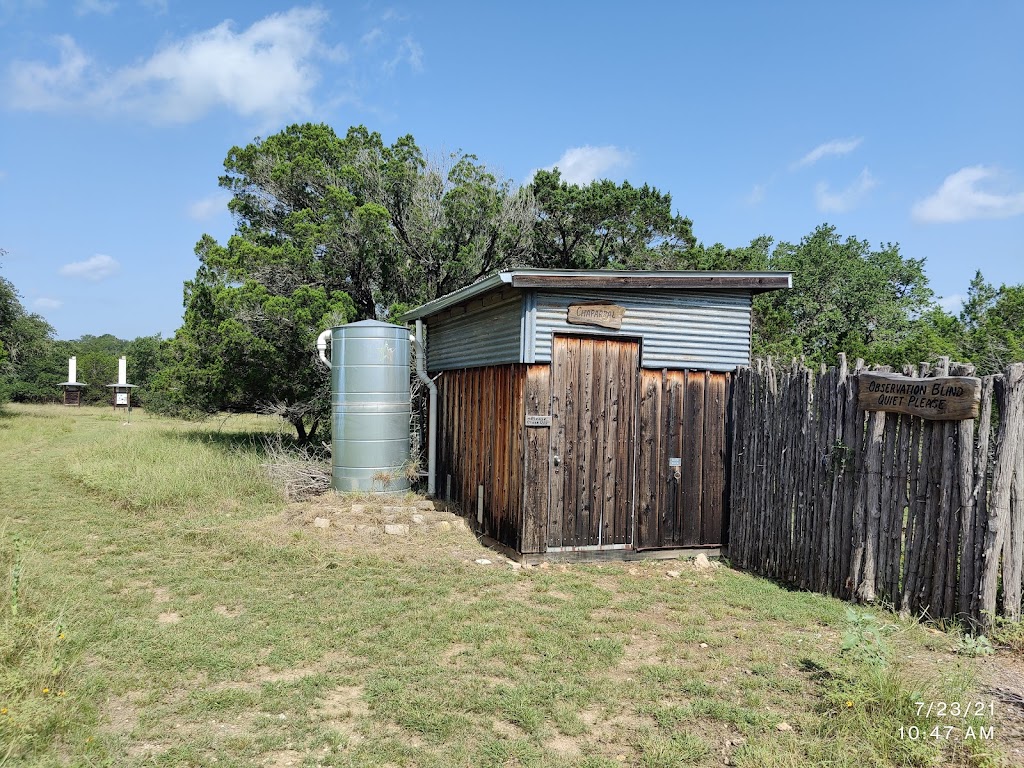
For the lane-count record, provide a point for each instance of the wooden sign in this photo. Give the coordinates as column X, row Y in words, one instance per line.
column 949, row 398
column 604, row 315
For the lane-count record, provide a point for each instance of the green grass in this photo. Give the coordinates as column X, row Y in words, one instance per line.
column 190, row 617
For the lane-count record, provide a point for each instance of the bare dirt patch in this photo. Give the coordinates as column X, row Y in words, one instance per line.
column 1001, row 679
column 168, row 617
column 344, row 703
column 121, row 714
column 563, row 746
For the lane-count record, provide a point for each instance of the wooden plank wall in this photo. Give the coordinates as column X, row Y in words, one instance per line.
column 537, row 460
column 481, row 442
column 683, row 415
column 927, row 516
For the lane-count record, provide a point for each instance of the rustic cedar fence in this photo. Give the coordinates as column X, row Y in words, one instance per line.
column 927, row 516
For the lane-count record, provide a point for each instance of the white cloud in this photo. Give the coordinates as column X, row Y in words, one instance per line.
column 960, row 198
column 372, row 37
column 36, row 86
column 756, row 195
column 102, row 7
column 45, row 303
column 410, row 52
column 834, row 147
column 158, row 7
column 846, row 199
column 953, row 303
column 582, row 165
column 208, row 207
column 268, row 70
column 95, row 268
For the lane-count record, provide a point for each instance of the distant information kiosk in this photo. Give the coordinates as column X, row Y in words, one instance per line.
column 72, row 388
column 122, row 389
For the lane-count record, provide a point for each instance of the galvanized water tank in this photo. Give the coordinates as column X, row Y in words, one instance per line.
column 370, row 407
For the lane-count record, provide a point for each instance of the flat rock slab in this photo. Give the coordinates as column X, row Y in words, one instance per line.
column 322, row 522
column 396, row 529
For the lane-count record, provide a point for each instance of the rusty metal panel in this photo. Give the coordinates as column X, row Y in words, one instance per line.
column 487, row 334
column 696, row 330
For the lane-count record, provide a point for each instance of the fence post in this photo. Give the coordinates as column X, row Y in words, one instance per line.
column 1008, row 390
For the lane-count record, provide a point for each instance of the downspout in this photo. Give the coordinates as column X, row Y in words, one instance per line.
column 421, row 373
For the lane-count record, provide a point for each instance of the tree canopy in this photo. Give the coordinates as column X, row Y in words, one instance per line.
column 25, row 338
column 846, row 297
column 605, row 225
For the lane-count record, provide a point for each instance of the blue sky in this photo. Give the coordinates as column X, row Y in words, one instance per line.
column 896, row 122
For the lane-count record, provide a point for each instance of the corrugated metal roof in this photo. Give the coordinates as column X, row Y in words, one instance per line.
column 570, row 279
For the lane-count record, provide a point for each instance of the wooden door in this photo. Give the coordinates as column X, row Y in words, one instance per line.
column 593, row 427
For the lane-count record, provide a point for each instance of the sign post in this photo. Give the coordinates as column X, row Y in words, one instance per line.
column 122, row 389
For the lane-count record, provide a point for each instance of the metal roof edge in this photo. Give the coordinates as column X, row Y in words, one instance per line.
column 457, row 297
column 520, row 278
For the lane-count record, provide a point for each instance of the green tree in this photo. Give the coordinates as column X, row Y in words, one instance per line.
column 453, row 220
column 329, row 229
column 304, row 217
column 605, row 225
column 846, row 297
column 993, row 323
column 244, row 348
column 25, row 340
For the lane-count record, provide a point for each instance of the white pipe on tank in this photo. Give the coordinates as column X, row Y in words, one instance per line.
column 421, row 373
column 321, row 347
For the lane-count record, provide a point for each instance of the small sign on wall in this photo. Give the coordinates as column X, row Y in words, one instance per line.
column 947, row 398
column 603, row 315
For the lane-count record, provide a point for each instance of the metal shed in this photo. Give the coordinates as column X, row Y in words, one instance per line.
column 582, row 412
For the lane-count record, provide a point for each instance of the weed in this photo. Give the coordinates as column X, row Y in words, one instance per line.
column 974, row 646
column 865, row 637
column 1008, row 634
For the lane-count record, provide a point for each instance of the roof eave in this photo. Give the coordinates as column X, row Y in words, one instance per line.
column 754, row 282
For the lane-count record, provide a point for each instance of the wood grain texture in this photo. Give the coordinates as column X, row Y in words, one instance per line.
column 942, row 398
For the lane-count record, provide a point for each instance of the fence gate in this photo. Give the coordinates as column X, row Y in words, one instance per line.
column 593, row 430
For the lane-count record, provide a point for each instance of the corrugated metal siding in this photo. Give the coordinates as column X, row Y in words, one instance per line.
column 490, row 335
column 695, row 330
